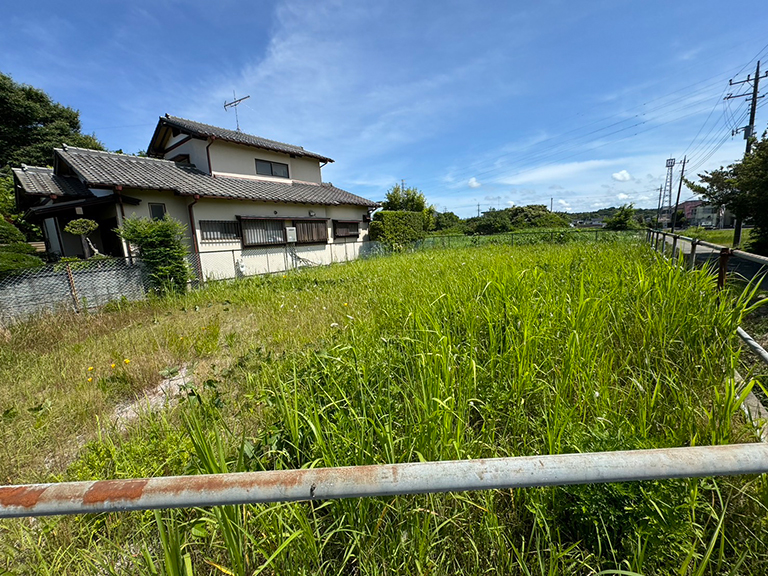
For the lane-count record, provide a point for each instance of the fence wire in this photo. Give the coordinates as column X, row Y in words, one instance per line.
column 74, row 286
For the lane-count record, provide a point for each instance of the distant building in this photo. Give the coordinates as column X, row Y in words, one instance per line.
column 711, row 216
column 689, row 208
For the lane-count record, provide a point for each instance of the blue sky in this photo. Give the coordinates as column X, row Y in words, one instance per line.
column 492, row 103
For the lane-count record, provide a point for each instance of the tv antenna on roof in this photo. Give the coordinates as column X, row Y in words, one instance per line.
column 233, row 104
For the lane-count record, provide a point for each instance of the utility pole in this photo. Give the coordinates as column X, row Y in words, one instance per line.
column 551, row 204
column 749, row 130
column 402, row 185
column 677, row 202
column 658, row 210
column 478, row 209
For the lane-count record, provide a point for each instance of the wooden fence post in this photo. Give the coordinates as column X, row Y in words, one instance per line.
column 72, row 289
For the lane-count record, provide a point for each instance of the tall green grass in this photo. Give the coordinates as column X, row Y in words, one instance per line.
column 478, row 352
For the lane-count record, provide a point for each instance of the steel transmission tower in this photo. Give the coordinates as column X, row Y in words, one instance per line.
column 667, row 194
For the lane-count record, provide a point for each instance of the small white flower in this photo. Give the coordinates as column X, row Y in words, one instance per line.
column 597, row 394
column 334, row 324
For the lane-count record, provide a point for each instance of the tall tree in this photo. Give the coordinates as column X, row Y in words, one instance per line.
column 742, row 187
column 408, row 199
column 31, row 125
column 402, row 199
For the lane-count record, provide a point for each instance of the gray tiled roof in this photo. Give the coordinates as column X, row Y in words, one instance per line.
column 206, row 130
column 43, row 182
column 111, row 169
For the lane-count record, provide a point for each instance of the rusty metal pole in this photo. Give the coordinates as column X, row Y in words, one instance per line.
column 725, row 254
column 674, row 247
column 381, row 480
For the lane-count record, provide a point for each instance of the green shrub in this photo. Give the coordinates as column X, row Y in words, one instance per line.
column 397, row 227
column 81, row 227
column 13, row 261
column 18, row 248
column 9, row 233
column 161, row 247
column 624, row 219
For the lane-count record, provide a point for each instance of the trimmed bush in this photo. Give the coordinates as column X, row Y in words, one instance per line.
column 19, row 248
column 14, row 261
column 9, row 233
column 397, row 227
column 161, row 247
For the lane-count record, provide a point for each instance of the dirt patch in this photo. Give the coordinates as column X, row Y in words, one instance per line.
column 154, row 399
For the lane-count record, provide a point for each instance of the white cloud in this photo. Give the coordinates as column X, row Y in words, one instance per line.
column 473, row 183
column 565, row 205
column 622, row 196
column 511, row 203
column 545, row 174
column 622, row 176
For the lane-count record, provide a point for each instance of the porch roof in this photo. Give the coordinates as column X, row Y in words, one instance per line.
column 38, row 181
column 51, row 208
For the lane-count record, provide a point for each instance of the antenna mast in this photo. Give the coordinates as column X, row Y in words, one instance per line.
column 233, row 104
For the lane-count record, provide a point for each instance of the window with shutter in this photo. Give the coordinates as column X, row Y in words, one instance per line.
column 257, row 232
column 346, row 228
column 311, row 231
column 219, row 230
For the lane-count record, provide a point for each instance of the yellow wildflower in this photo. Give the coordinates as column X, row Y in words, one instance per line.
column 90, row 368
column 90, row 379
column 112, row 365
column 127, row 361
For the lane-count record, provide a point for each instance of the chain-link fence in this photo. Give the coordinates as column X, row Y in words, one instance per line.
column 78, row 286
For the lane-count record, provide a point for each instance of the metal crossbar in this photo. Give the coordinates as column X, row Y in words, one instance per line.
column 381, row 480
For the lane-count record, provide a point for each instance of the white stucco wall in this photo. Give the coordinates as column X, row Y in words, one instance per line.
column 194, row 147
column 229, row 159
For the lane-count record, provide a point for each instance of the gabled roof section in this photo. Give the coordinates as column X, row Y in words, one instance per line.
column 200, row 130
column 38, row 181
column 108, row 169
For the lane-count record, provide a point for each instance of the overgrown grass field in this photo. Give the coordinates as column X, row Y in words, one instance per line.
column 720, row 237
column 441, row 354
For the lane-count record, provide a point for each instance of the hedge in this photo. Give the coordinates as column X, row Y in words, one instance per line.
column 397, row 227
column 9, row 233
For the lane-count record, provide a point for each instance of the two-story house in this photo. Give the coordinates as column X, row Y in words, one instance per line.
column 251, row 205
